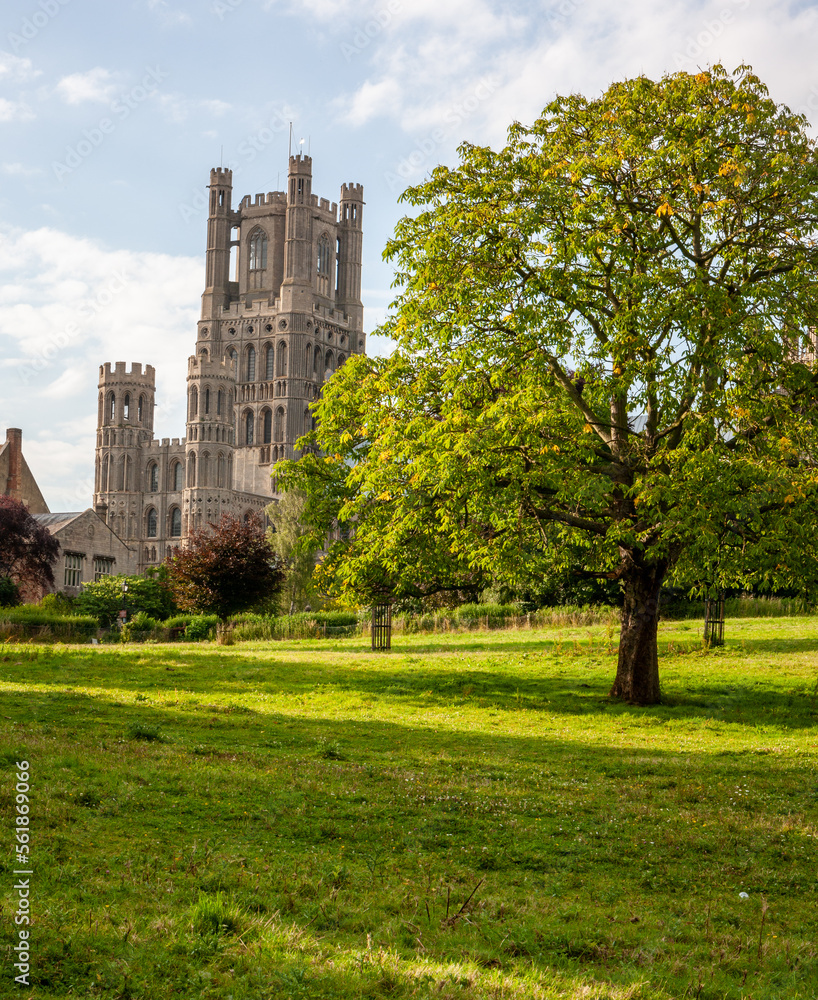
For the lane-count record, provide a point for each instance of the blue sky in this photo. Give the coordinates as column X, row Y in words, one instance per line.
column 111, row 115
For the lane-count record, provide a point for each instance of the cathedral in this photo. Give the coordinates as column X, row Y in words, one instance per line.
column 281, row 310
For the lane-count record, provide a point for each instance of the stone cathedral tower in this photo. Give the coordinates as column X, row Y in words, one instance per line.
column 281, row 310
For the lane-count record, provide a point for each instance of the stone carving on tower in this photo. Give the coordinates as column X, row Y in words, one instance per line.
column 281, row 310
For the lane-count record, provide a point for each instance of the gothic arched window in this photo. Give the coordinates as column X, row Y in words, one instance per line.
column 207, row 399
column 175, row 523
column 194, row 403
column 269, row 362
column 279, row 427
column 324, row 262
column 112, row 406
column 316, row 368
column 140, row 409
column 249, row 425
column 152, row 525
column 282, row 359
column 258, row 250
column 219, row 399
column 153, row 477
column 191, row 471
column 268, row 426
column 250, row 367
column 177, row 476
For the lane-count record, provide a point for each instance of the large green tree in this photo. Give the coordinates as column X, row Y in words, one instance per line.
column 599, row 329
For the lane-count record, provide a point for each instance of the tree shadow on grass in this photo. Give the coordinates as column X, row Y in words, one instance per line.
column 386, row 763
column 568, row 685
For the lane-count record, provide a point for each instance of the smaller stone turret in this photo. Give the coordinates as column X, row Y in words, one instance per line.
column 211, row 387
column 124, row 426
column 220, row 222
column 350, row 251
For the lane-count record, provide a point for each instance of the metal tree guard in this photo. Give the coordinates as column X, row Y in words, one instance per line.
column 381, row 626
column 714, row 621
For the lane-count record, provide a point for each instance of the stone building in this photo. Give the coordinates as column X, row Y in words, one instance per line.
column 89, row 548
column 281, row 310
column 15, row 476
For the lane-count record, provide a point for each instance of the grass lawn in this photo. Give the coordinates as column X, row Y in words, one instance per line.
column 466, row 816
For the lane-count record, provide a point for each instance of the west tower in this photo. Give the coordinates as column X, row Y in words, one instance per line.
column 281, row 311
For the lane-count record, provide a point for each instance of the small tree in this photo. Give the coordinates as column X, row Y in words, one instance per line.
column 105, row 598
column 225, row 568
column 27, row 549
column 292, row 546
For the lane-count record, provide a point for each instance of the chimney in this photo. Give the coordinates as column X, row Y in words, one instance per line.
column 14, row 439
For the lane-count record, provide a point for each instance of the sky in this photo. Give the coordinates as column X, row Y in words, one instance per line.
column 112, row 114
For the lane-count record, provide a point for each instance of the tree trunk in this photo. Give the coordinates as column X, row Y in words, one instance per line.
column 637, row 671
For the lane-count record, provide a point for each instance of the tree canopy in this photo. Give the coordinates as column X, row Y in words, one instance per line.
column 225, row 568
column 600, row 361
column 105, row 598
column 27, row 549
column 296, row 559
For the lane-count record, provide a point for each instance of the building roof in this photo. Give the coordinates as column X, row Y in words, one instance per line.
column 56, row 521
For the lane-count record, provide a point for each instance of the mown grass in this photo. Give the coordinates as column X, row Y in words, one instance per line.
column 467, row 816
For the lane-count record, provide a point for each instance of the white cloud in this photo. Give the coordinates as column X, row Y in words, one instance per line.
column 371, row 100
column 94, row 85
column 20, row 170
column 15, row 111
column 216, row 107
column 178, row 108
column 426, row 62
column 69, row 305
column 16, row 69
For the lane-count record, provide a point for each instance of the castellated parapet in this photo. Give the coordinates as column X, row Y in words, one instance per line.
column 263, row 201
column 281, row 310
